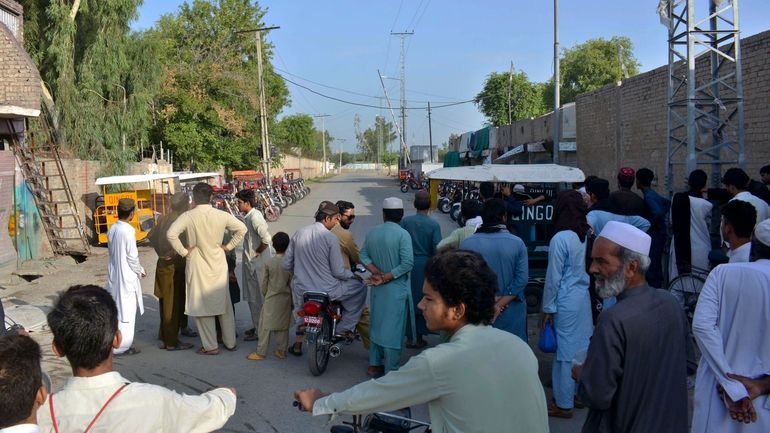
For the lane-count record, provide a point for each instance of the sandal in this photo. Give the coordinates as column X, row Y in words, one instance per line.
column 232, row 349
column 294, row 351
column 250, row 337
column 203, row 351
column 254, row 356
column 131, row 351
column 179, row 346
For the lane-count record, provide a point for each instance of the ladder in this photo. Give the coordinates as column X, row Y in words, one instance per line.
column 42, row 169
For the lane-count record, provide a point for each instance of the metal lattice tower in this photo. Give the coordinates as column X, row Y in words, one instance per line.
column 705, row 105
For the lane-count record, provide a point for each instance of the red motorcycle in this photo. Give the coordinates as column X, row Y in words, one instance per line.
column 321, row 316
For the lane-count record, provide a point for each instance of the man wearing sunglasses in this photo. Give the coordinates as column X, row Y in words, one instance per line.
column 314, row 259
column 348, row 247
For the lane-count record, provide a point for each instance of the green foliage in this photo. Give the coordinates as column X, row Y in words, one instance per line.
column 592, row 65
column 207, row 108
column 526, row 99
column 389, row 159
column 584, row 67
column 100, row 74
column 297, row 132
column 376, row 137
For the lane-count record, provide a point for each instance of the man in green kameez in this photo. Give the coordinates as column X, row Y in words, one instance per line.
column 387, row 253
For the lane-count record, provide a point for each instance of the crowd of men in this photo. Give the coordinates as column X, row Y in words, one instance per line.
column 624, row 344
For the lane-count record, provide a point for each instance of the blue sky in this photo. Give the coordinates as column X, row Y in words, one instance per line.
column 457, row 43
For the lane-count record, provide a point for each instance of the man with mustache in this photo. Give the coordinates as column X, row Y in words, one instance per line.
column 634, row 378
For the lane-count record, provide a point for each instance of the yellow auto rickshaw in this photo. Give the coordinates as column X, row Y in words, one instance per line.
column 150, row 192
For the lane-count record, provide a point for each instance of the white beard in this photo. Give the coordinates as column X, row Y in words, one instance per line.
column 611, row 286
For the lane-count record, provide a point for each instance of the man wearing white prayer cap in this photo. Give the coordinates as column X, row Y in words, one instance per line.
column 387, row 254
column 634, row 378
column 730, row 323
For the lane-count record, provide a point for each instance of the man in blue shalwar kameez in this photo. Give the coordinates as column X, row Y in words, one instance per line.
column 566, row 301
column 426, row 234
column 506, row 254
column 387, row 253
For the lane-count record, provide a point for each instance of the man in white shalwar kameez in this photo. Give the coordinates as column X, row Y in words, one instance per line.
column 123, row 274
column 257, row 249
column 97, row 399
column 730, row 326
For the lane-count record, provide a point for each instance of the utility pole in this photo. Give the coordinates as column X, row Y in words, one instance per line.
column 339, row 167
column 556, row 97
column 403, row 36
column 510, row 83
column 430, row 134
column 323, row 139
column 266, row 157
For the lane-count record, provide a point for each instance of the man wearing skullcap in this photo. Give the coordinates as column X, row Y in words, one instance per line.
column 169, row 276
column 625, row 201
column 736, row 182
column 634, row 378
column 730, row 326
column 123, row 274
column 388, row 255
column 426, row 234
column 315, row 261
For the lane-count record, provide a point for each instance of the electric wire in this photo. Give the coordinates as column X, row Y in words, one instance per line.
column 370, row 105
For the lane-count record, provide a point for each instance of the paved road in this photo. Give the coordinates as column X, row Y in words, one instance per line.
column 264, row 388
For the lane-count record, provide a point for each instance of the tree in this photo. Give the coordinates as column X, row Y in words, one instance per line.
column 297, row 131
column 101, row 75
column 526, row 98
column 592, row 65
column 389, row 159
column 207, row 108
column 381, row 133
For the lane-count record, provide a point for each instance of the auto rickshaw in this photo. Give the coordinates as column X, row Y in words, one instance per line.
column 150, row 192
column 535, row 226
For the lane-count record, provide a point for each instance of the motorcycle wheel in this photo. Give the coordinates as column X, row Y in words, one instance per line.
column 444, row 205
column 404, row 187
column 289, row 200
column 272, row 213
column 317, row 351
column 454, row 212
column 307, row 190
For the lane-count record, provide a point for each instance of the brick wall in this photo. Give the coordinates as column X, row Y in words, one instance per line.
column 19, row 79
column 626, row 125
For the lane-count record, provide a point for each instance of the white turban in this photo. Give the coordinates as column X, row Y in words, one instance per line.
column 627, row 236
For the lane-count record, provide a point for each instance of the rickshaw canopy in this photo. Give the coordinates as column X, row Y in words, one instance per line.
column 510, row 173
column 134, row 178
column 188, row 177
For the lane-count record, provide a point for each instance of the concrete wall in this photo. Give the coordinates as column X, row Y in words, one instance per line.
column 626, row 125
column 310, row 167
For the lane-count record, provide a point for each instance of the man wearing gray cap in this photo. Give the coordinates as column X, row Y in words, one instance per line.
column 634, row 378
column 123, row 274
column 730, row 326
column 315, row 261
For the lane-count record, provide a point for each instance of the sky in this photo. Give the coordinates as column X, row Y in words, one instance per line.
column 336, row 47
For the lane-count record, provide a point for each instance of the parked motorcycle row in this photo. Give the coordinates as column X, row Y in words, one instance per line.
column 451, row 195
column 272, row 197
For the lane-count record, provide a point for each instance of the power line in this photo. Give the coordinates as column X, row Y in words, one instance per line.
column 392, row 26
column 419, row 5
column 368, row 105
column 358, row 93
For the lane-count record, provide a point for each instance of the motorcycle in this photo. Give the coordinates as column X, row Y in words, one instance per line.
column 321, row 316
column 411, row 182
column 397, row 421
